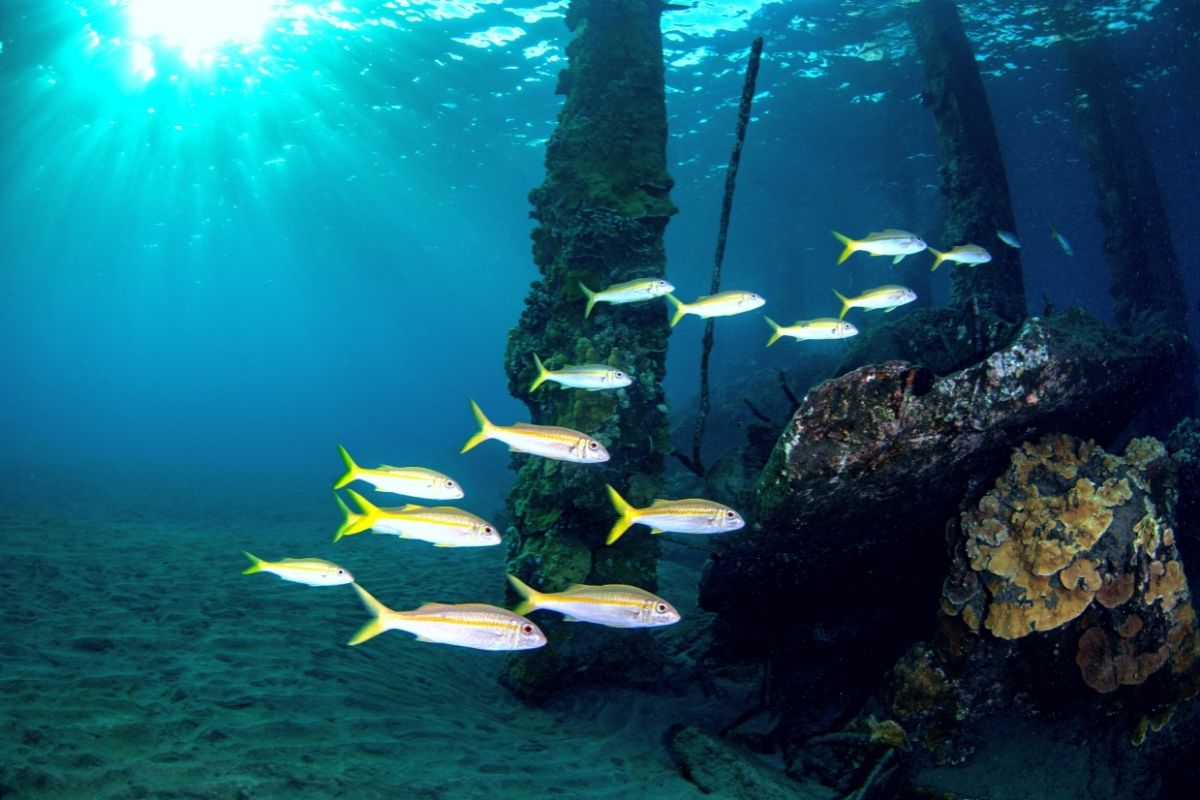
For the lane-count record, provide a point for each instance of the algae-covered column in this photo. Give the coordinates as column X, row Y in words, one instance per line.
column 602, row 211
column 972, row 170
column 1137, row 238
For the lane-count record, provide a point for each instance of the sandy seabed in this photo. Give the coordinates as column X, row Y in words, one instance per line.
column 137, row 661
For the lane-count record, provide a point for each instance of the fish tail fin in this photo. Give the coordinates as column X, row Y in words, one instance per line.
column 352, row 469
column 774, row 331
column 529, row 595
column 851, row 246
column 680, row 309
column 938, row 258
column 845, row 303
column 379, row 615
column 543, row 373
column 356, row 523
column 591, row 300
column 256, row 564
column 485, row 428
column 628, row 515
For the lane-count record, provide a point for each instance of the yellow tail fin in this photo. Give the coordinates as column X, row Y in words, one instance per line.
column 543, row 373
column 628, row 513
column 256, row 564
column 485, row 428
column 356, row 523
column 939, row 257
column 529, row 595
column 774, row 331
column 845, row 303
column 379, row 613
column 591, row 298
column 680, row 308
column 351, row 469
column 851, row 246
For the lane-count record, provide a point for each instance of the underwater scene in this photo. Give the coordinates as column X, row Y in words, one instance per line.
column 752, row 399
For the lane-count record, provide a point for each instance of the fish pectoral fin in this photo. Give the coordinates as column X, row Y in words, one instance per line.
column 899, row 258
column 890, row 310
column 657, row 530
column 569, row 618
column 424, row 639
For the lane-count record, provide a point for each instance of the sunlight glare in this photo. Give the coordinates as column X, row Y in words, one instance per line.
column 198, row 28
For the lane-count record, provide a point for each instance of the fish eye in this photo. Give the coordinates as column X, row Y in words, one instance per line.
column 592, row 445
column 527, row 628
column 620, row 374
column 450, row 484
column 661, row 608
column 730, row 514
column 341, row 572
column 488, row 529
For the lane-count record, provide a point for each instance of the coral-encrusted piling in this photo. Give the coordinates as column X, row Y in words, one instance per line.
column 972, row 169
column 602, row 210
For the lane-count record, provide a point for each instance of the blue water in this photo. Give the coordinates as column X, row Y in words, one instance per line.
column 217, row 265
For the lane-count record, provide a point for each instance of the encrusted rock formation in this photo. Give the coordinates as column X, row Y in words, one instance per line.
column 601, row 211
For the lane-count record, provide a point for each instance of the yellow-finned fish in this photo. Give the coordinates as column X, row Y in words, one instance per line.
column 890, row 242
column 410, row 481
column 1009, row 238
column 721, row 304
column 309, row 571
column 674, row 516
column 962, row 254
column 548, row 441
column 1062, row 241
column 634, row 291
column 615, row 605
column 809, row 329
column 885, row 297
column 443, row 526
column 591, row 377
column 476, row 625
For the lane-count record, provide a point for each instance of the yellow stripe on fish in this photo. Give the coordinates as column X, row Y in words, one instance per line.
column 613, row 605
column 692, row 515
column 885, row 297
column 811, row 329
column 443, row 526
column 591, row 377
column 309, row 571
column 890, row 242
column 475, row 625
column 634, row 291
column 721, row 304
column 548, row 441
column 410, row 481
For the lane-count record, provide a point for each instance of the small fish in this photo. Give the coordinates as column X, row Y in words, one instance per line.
column 1062, row 242
column 548, row 441
column 309, row 571
column 674, row 516
column 615, row 605
column 476, row 625
column 962, row 254
column 1009, row 238
column 721, row 304
column 890, row 242
column 443, row 526
column 823, row 328
column 591, row 377
column 886, row 297
column 634, row 291
column 410, row 481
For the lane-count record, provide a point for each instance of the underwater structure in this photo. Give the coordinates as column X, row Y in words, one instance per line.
column 601, row 213
column 986, row 305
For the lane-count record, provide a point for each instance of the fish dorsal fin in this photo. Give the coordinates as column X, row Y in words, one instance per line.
column 388, row 466
column 574, row 587
column 411, row 507
column 524, row 425
column 659, row 500
column 431, row 608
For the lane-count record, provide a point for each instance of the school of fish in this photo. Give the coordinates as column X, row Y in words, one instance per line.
column 487, row 627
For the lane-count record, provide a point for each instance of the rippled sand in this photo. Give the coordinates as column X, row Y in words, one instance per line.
column 136, row 661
